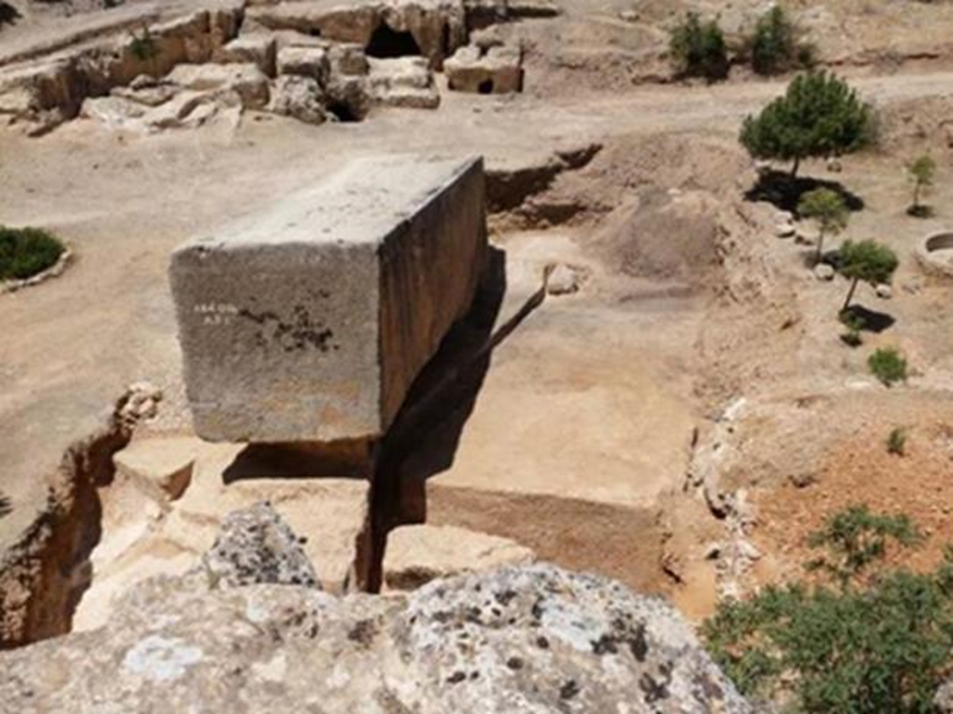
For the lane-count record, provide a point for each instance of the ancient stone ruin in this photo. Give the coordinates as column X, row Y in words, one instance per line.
column 147, row 69
column 309, row 323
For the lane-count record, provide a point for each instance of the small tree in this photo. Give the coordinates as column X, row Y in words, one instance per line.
column 922, row 171
column 819, row 115
column 828, row 209
column 699, row 48
column 775, row 46
column 868, row 261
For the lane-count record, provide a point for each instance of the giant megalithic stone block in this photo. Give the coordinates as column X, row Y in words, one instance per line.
column 310, row 321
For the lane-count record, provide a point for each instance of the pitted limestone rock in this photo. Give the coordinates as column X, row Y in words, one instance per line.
column 257, row 546
column 526, row 639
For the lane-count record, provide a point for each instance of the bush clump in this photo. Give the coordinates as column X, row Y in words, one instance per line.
column 775, row 45
column 861, row 639
column 888, row 365
column 25, row 252
column 897, row 442
column 699, row 48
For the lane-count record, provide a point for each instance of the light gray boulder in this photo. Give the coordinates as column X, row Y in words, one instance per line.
column 257, row 547
column 531, row 639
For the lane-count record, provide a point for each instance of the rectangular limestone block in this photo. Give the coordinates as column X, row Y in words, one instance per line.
column 309, row 322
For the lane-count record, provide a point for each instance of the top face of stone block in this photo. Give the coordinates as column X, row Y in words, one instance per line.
column 309, row 322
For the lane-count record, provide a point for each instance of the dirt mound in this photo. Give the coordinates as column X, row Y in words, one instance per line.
column 684, row 161
column 665, row 235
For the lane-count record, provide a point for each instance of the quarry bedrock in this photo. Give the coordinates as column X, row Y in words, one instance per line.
column 310, row 322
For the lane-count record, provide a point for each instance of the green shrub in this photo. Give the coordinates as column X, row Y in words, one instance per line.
column 775, row 46
column 854, row 324
column 854, row 645
column 699, row 48
column 24, row 252
column 897, row 442
column 143, row 46
column 819, row 115
column 888, row 365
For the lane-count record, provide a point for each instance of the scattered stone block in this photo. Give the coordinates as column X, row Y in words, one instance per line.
column 884, row 291
column 245, row 80
column 305, row 62
column 823, row 271
column 497, row 70
column 348, row 97
column 260, row 50
column 298, row 97
column 784, row 230
column 162, row 467
column 310, row 322
column 403, row 82
column 348, row 58
column 418, row 554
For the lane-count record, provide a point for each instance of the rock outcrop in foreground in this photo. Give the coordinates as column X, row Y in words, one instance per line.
column 522, row 639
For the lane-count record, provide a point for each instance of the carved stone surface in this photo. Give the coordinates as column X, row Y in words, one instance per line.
column 310, row 322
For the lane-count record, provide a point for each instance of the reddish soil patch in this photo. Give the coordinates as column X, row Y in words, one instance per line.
column 860, row 470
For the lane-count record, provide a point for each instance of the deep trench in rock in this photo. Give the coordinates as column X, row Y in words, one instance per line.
column 45, row 573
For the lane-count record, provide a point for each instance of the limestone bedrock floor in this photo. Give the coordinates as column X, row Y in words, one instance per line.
column 583, row 385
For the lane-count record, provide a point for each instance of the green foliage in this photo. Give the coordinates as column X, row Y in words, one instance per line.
column 143, row 47
column 828, row 209
column 24, row 252
column 897, row 442
column 922, row 171
column 861, row 647
column 855, row 538
column 888, row 365
column 819, row 115
column 866, row 261
column 775, row 47
column 699, row 48
column 854, row 324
